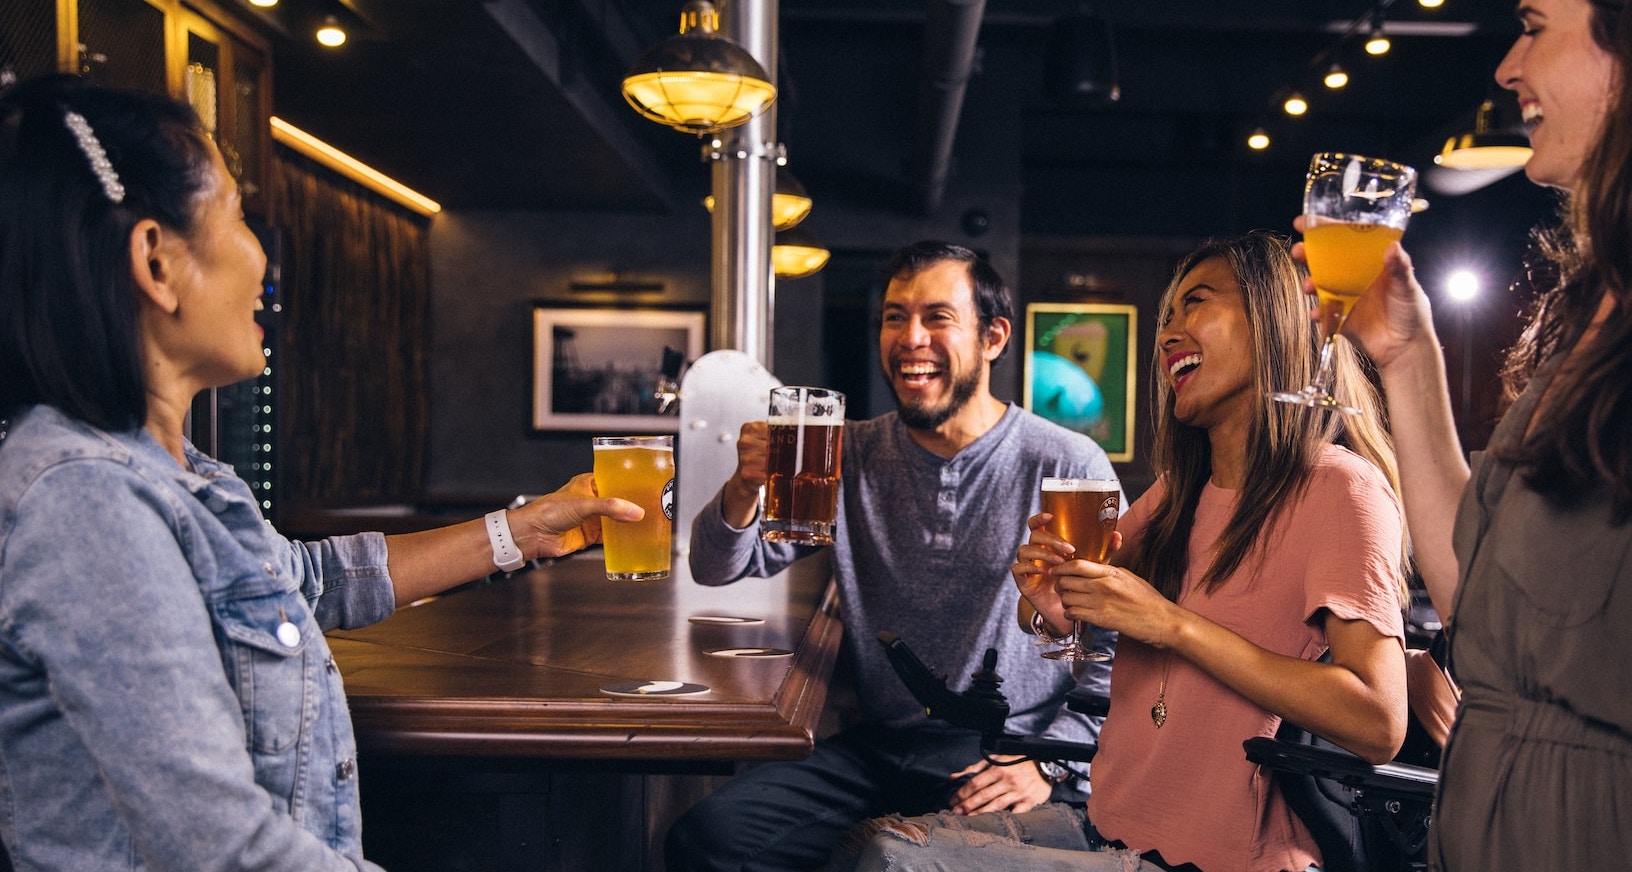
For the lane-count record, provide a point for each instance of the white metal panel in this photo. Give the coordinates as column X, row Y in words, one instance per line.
column 720, row 392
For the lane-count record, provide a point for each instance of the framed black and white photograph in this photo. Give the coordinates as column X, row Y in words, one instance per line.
column 598, row 369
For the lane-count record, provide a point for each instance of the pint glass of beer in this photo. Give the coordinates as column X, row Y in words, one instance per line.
column 639, row 469
column 802, row 493
column 1085, row 512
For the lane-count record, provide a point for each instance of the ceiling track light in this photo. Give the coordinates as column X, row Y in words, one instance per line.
column 1377, row 42
column 331, row 34
column 1335, row 76
column 1258, row 139
column 1080, row 67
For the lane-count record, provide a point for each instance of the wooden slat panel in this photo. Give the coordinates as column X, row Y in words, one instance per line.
column 356, row 275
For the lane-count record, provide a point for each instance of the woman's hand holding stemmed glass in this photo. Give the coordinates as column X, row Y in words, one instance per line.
column 1393, row 323
column 1063, row 588
column 1392, row 316
column 1069, row 591
column 1033, row 570
column 1082, row 512
column 1113, row 598
column 1354, row 209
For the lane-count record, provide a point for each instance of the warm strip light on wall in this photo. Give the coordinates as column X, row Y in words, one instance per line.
column 352, row 168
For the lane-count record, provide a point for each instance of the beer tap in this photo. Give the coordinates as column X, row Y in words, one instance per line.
column 668, row 384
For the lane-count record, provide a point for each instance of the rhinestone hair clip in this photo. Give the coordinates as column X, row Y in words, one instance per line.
column 100, row 165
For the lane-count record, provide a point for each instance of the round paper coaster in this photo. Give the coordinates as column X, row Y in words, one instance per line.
column 748, row 652
column 725, row 619
column 654, row 688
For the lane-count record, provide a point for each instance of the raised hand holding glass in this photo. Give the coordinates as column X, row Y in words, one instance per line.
column 1354, row 207
column 1085, row 512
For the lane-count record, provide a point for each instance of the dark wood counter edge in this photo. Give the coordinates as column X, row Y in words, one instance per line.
column 645, row 729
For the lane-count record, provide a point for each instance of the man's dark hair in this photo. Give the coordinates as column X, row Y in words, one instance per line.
column 992, row 297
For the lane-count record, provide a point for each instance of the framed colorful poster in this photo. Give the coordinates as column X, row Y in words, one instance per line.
column 1081, row 365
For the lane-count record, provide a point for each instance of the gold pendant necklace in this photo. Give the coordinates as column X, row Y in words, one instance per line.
column 1158, row 712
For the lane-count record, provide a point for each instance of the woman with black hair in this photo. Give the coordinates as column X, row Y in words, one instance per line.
column 167, row 699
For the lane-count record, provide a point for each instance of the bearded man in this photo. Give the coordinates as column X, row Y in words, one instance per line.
column 933, row 504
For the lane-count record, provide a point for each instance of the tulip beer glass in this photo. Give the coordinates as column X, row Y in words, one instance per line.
column 1354, row 207
column 1085, row 512
column 802, row 491
column 639, row 469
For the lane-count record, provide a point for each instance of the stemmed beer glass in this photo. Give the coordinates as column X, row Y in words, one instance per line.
column 1085, row 512
column 1353, row 208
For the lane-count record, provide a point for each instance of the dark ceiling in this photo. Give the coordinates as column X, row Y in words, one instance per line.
column 515, row 103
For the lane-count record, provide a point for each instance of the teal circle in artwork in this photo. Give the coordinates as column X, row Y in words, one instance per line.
column 1063, row 393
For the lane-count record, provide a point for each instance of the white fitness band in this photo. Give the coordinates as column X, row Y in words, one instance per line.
column 506, row 555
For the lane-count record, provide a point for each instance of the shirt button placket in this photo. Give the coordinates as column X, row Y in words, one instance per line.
column 946, row 509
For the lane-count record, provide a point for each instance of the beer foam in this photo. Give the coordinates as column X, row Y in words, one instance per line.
column 807, row 421
column 1073, row 485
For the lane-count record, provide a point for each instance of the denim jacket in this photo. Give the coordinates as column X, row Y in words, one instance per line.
column 167, row 699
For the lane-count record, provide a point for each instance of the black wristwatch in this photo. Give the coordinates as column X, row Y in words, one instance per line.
column 1052, row 772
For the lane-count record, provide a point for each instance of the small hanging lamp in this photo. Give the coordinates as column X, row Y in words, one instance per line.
column 797, row 254
column 789, row 203
column 698, row 81
column 1486, row 148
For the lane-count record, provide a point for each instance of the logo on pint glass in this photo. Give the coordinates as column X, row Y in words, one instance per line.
column 668, row 500
column 1107, row 511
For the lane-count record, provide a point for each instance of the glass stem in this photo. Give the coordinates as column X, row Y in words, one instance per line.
column 1323, row 372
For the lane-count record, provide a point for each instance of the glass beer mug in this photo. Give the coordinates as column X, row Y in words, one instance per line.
column 802, row 492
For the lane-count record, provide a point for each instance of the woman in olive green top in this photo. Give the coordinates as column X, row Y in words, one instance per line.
column 1534, row 576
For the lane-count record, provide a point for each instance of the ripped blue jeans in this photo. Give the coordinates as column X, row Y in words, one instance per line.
column 1049, row 838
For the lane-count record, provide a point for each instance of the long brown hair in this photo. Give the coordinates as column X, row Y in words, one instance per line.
column 1582, row 440
column 1282, row 441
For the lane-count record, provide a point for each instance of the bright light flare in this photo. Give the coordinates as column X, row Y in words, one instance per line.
column 1463, row 285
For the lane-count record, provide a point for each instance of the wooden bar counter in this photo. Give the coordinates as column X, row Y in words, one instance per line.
column 514, row 667
column 487, row 743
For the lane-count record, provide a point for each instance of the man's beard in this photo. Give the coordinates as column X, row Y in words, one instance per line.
column 925, row 418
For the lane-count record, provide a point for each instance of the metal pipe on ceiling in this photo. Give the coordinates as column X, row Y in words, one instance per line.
column 950, row 36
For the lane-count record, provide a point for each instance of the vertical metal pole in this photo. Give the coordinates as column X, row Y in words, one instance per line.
column 744, row 178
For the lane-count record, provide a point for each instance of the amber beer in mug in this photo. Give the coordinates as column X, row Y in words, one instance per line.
column 1085, row 512
column 639, row 469
column 802, row 492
